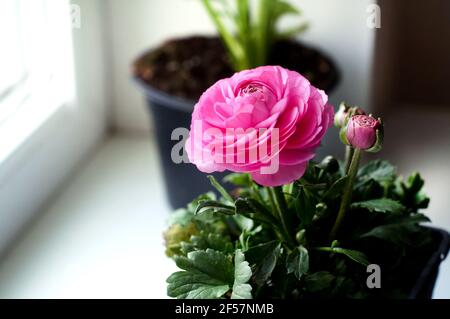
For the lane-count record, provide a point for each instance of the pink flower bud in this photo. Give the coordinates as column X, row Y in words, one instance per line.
column 365, row 132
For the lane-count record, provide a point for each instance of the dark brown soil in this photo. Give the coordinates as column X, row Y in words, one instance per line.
column 187, row 67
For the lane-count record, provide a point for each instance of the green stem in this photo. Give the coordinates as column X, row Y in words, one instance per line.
column 347, row 196
column 281, row 210
column 279, row 228
column 257, row 194
column 263, row 37
column 243, row 27
column 348, row 157
column 220, row 189
column 271, row 200
column 327, row 249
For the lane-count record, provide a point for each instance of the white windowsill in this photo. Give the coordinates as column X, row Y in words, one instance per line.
column 102, row 238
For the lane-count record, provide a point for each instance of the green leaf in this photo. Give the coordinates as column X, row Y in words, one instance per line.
column 252, row 209
column 336, row 188
column 192, row 206
column 281, row 8
column 381, row 205
column 242, row 274
column 410, row 192
column 354, row 255
column 203, row 241
column 298, row 262
column 319, row 281
column 207, row 275
column 195, row 285
column 263, row 259
column 372, row 189
column 304, row 206
column 404, row 231
column 181, row 217
column 215, row 207
column 243, row 222
column 238, row 179
column 415, row 183
column 310, row 176
column 220, row 189
column 234, row 46
column 343, row 287
column 378, row 170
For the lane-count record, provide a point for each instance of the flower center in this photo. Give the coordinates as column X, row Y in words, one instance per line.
column 251, row 89
column 365, row 121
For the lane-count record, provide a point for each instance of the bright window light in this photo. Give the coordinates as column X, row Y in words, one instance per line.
column 36, row 66
column 11, row 62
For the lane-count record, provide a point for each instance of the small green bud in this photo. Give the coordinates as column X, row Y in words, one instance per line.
column 344, row 113
column 175, row 235
column 329, row 164
column 300, row 236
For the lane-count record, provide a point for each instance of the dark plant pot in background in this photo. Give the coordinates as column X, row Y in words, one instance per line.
column 423, row 288
column 174, row 75
column 183, row 181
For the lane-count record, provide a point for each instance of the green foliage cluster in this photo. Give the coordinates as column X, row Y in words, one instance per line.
column 236, row 246
column 248, row 34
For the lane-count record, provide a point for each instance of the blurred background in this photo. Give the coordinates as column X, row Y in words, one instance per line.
column 83, row 201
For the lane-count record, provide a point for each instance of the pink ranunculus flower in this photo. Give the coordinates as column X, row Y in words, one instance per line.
column 365, row 133
column 266, row 121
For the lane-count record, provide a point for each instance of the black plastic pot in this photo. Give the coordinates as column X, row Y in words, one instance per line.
column 183, row 181
column 423, row 288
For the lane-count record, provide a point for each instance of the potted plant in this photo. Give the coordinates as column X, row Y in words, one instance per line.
column 329, row 229
column 174, row 75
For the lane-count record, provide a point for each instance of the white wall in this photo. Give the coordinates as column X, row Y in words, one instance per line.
column 135, row 26
column 337, row 27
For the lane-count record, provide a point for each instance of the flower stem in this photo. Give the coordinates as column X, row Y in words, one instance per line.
column 256, row 193
column 276, row 193
column 346, row 198
column 271, row 197
column 349, row 150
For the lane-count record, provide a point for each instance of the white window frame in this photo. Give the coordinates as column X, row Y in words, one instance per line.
column 43, row 28
column 47, row 138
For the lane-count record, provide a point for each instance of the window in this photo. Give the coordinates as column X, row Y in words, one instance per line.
column 11, row 62
column 46, row 129
column 36, row 66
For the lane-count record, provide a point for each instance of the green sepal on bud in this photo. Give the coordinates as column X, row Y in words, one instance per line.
column 379, row 141
column 343, row 135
